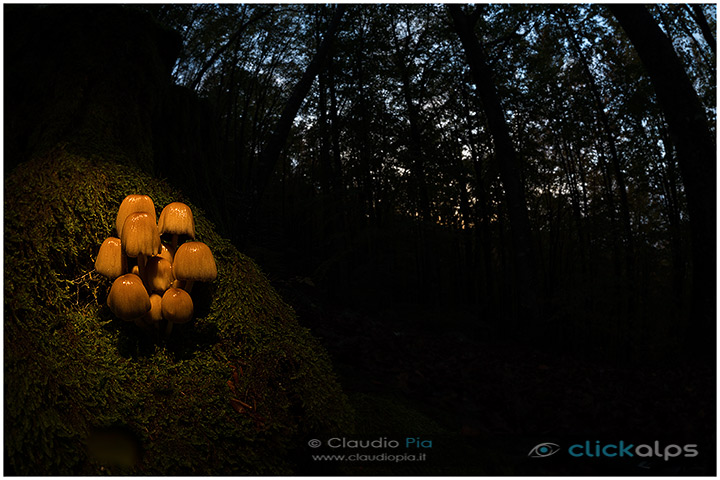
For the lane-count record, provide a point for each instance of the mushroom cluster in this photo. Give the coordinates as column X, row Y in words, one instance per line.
column 152, row 271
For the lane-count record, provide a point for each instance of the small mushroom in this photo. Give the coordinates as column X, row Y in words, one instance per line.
column 153, row 316
column 110, row 260
column 177, row 307
column 159, row 274
column 128, row 298
column 177, row 219
column 140, row 238
column 194, row 262
column 132, row 204
column 166, row 253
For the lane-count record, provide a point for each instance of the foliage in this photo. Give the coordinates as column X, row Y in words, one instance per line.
column 392, row 144
column 232, row 392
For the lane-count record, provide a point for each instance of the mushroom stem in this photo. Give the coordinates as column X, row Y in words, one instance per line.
column 188, row 285
column 168, row 329
column 174, row 241
column 142, row 262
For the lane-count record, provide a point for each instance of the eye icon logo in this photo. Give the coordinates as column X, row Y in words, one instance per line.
column 544, row 450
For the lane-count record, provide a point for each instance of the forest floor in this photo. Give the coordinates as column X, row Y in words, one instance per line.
column 503, row 397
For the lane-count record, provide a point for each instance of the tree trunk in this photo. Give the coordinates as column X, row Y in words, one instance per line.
column 415, row 148
column 696, row 157
column 403, row 62
column 507, row 163
column 276, row 142
column 610, row 202
column 627, row 235
column 572, row 177
column 483, row 236
column 673, row 213
column 697, row 13
column 368, row 193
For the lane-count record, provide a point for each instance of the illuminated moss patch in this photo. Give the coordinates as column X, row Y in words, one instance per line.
column 232, row 392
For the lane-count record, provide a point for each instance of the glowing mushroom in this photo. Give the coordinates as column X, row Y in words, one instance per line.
column 133, row 204
column 140, row 238
column 194, row 262
column 153, row 316
column 128, row 298
column 177, row 307
column 110, row 260
column 166, row 253
column 159, row 274
column 177, row 219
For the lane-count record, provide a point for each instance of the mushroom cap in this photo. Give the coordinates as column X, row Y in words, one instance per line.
column 177, row 306
column 128, row 298
column 166, row 252
column 154, row 315
column 159, row 274
column 131, row 204
column 177, row 219
column 110, row 260
column 140, row 235
column 194, row 261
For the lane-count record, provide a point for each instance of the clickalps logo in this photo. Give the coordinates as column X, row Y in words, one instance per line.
column 621, row 449
column 542, row 450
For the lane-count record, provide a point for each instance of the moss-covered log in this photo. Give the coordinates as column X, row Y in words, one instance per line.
column 235, row 391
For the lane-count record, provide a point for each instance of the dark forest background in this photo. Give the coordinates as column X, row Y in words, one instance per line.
column 501, row 216
column 546, row 170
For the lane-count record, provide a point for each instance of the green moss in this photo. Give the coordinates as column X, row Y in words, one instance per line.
column 232, row 392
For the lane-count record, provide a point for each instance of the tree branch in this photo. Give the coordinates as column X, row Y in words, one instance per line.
column 241, row 29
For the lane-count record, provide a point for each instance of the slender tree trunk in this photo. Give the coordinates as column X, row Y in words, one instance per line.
column 508, row 165
column 672, row 206
column 484, row 240
column 612, row 209
column 326, row 168
column 425, row 259
column 696, row 157
column 327, row 216
column 602, row 117
column 403, row 60
column 337, row 168
column 467, row 257
column 324, row 136
column 575, row 200
column 425, row 264
column 415, row 148
column 276, row 142
column 699, row 16
column 483, row 237
column 685, row 28
column 365, row 152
